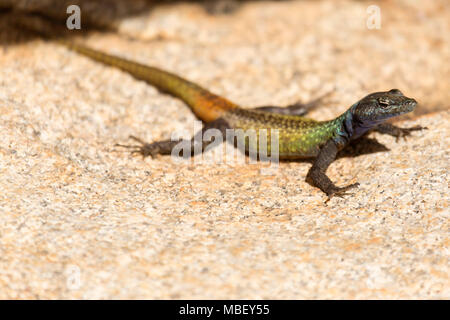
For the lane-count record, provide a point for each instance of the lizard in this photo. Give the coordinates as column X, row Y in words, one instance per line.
column 299, row 136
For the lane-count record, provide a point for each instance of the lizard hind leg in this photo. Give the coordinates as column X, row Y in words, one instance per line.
column 296, row 109
column 167, row 147
column 163, row 147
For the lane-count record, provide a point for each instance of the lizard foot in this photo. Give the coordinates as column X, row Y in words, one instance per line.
column 404, row 132
column 144, row 148
column 340, row 191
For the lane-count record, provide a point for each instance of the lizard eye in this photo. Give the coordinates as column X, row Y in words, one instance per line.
column 383, row 102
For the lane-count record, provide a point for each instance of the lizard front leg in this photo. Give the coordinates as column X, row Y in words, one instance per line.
column 397, row 132
column 165, row 147
column 317, row 173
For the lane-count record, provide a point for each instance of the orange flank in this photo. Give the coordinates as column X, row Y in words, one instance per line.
column 210, row 107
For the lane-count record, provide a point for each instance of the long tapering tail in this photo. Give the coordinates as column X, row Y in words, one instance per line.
column 206, row 105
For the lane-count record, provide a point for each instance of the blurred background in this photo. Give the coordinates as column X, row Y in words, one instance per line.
column 71, row 203
column 291, row 47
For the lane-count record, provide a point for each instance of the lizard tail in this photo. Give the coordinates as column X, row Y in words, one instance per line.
column 206, row 105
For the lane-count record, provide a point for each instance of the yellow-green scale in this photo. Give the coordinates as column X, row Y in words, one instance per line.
column 298, row 137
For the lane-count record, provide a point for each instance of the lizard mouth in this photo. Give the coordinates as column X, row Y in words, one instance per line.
column 405, row 106
column 410, row 105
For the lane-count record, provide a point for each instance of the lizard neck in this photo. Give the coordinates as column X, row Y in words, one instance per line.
column 357, row 125
column 349, row 127
column 343, row 128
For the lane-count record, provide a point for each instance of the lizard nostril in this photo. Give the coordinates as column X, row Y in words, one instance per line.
column 412, row 102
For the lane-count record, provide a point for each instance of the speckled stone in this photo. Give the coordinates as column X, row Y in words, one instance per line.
column 80, row 218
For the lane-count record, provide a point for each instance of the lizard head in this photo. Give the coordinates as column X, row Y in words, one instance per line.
column 379, row 106
column 375, row 109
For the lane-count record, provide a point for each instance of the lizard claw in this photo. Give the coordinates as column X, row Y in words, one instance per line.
column 144, row 148
column 340, row 191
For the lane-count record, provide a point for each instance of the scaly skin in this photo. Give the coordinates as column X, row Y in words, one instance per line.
column 299, row 137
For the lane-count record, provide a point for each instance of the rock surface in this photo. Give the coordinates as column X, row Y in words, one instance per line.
column 80, row 218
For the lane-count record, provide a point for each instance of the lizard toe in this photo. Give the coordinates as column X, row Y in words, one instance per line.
column 341, row 191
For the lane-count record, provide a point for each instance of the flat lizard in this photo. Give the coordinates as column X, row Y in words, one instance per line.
column 299, row 137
